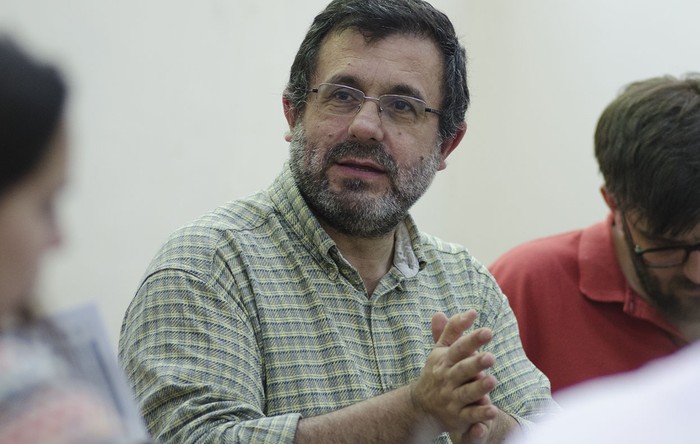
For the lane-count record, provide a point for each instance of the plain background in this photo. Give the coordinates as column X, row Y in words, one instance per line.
column 176, row 108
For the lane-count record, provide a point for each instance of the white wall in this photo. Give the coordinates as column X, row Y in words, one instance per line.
column 542, row 71
column 176, row 108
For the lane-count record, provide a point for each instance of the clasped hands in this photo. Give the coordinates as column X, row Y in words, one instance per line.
column 453, row 388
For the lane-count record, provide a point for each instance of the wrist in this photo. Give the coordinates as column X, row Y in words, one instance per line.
column 416, row 405
column 421, row 415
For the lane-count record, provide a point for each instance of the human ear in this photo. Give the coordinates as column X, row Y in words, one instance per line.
column 450, row 144
column 611, row 202
column 609, row 199
column 290, row 115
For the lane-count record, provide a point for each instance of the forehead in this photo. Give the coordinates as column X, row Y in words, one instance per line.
column 641, row 226
column 381, row 66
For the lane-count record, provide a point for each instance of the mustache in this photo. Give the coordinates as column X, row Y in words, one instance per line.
column 683, row 283
column 373, row 151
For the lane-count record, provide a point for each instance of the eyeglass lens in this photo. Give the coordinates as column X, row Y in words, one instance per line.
column 343, row 100
column 667, row 257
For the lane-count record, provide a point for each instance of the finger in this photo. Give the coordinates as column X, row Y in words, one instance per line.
column 477, row 433
column 476, row 413
column 476, row 393
column 455, row 328
column 438, row 324
column 469, row 344
column 472, row 367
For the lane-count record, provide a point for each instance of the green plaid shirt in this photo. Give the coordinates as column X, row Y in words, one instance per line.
column 250, row 318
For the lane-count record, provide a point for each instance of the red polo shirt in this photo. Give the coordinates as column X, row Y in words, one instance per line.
column 578, row 317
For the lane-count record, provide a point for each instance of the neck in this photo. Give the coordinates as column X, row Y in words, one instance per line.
column 372, row 258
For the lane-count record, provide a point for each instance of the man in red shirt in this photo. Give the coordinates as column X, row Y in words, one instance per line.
column 610, row 297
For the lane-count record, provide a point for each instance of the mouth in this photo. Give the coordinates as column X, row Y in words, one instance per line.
column 686, row 289
column 361, row 166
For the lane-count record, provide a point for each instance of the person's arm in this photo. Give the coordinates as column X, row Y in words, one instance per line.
column 523, row 391
column 451, row 395
column 190, row 353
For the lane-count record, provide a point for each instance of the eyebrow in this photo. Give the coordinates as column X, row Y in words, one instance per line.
column 399, row 89
column 406, row 90
column 662, row 239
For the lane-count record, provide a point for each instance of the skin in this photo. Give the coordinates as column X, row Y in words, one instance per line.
column 675, row 291
column 451, row 394
column 28, row 227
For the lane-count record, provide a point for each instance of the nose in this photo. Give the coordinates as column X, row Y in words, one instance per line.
column 366, row 125
column 691, row 268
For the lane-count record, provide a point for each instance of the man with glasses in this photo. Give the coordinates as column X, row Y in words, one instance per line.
column 316, row 311
column 609, row 298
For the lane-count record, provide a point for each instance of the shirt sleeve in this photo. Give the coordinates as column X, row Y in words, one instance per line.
column 523, row 391
column 191, row 355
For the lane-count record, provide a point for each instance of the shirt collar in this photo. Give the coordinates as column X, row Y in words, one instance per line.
column 405, row 247
column 296, row 213
column 601, row 277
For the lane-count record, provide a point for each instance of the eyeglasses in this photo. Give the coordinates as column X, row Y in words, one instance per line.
column 341, row 100
column 665, row 257
column 661, row 257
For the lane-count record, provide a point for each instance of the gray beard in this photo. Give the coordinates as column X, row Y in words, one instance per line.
column 351, row 211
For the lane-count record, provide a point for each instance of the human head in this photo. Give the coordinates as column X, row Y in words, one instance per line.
column 647, row 143
column 378, row 19
column 32, row 168
column 648, row 147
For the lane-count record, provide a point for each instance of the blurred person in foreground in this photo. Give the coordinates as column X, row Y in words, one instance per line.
column 40, row 402
column 315, row 310
column 658, row 403
column 613, row 296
